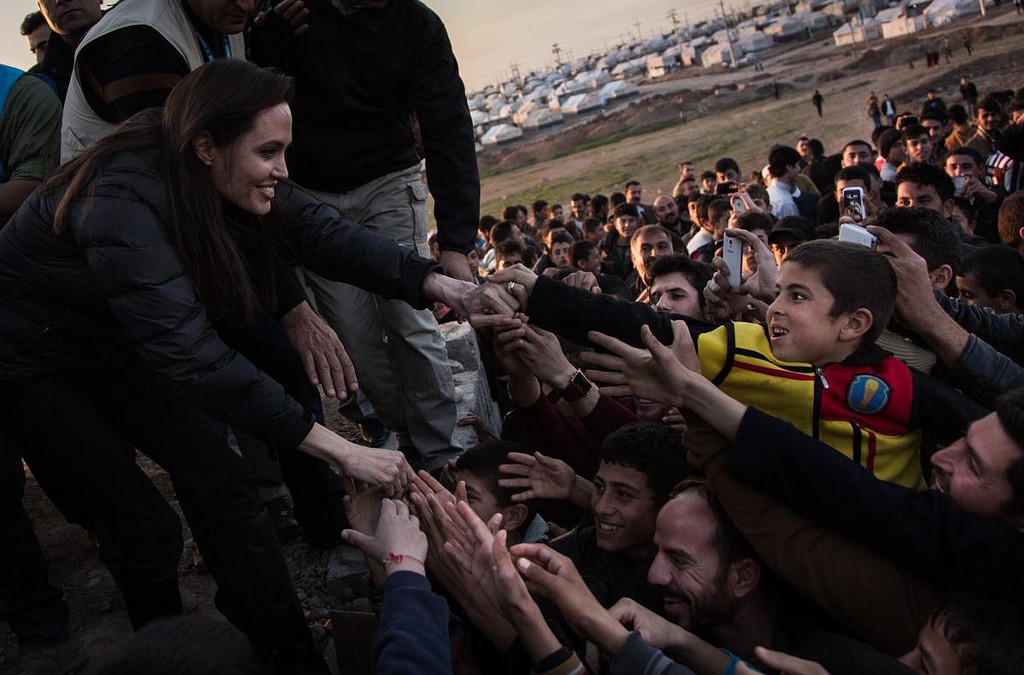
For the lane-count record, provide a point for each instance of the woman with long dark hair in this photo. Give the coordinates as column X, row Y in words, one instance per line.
column 114, row 279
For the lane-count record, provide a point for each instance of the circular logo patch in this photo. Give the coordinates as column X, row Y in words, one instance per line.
column 868, row 394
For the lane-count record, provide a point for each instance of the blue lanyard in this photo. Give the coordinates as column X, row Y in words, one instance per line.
column 207, row 52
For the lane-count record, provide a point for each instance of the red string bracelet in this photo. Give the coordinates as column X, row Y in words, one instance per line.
column 397, row 558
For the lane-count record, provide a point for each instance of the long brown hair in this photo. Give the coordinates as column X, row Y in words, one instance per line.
column 222, row 98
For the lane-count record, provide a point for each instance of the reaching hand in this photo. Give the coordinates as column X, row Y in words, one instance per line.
column 655, row 630
column 581, row 279
column 540, row 351
column 456, row 265
column 362, row 506
column 377, row 467
column 293, row 12
column 784, row 663
column 913, row 284
column 653, row 373
column 398, row 542
column 523, row 279
column 483, row 432
column 323, row 356
column 540, row 476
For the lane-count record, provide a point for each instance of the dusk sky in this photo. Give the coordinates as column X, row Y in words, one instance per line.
column 488, row 35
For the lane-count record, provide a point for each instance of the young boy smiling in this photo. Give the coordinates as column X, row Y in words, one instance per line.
column 814, row 365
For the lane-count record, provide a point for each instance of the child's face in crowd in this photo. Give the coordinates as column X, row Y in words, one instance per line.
column 971, row 293
column 973, row 470
column 799, row 325
column 474, row 262
column 560, row 254
column 509, row 261
column 626, row 225
column 624, row 510
column 674, row 293
column 687, row 568
column 479, row 495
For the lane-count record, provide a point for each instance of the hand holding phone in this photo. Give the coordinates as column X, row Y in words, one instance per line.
column 853, row 203
column 732, row 253
column 857, row 235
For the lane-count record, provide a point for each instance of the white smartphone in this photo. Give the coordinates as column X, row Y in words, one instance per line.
column 959, row 183
column 857, row 235
column 732, row 253
column 738, row 205
column 853, row 203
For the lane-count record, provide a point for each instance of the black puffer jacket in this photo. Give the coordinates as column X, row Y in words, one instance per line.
column 83, row 301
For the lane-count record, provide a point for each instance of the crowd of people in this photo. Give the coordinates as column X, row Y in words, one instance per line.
column 770, row 422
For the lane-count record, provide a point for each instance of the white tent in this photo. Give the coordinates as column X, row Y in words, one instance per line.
column 628, row 69
column 942, row 12
column 620, row 89
column 716, row 54
column 581, row 103
column 503, row 133
column 754, row 42
column 538, row 119
column 870, row 30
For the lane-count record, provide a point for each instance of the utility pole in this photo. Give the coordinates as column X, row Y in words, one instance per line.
column 639, row 35
column 557, row 51
column 728, row 35
column 675, row 24
column 515, row 75
column 853, row 37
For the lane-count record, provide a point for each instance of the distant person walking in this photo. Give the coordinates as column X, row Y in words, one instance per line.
column 874, row 110
column 947, row 48
column 818, row 100
column 889, row 110
column 966, row 39
column 969, row 93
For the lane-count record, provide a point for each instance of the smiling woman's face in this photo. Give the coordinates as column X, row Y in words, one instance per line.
column 247, row 171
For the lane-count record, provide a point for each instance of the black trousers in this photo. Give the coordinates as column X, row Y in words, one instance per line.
column 73, row 430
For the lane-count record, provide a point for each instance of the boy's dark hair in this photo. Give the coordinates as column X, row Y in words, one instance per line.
column 970, row 152
column 579, row 197
column 816, row 147
column 624, row 209
column 539, row 205
column 507, row 248
column 652, row 449
column 990, row 103
column 914, row 131
column 854, row 173
column 725, row 164
column 926, row 174
column 703, row 201
column 957, row 114
column 616, row 199
column 754, row 220
column 856, row 141
column 486, row 223
column 592, row 224
column 631, row 183
column 501, row 231
column 597, row 202
column 718, row 207
column 856, row 276
column 1010, row 411
column 32, row 22
column 935, row 116
column 510, row 212
column 996, row 268
column 580, row 250
column 708, row 175
column 562, row 237
column 1011, row 220
column 986, row 634
column 483, row 461
column 780, row 158
column 887, row 140
column 697, row 273
column 936, row 239
column 184, row 645
column 551, row 224
column 757, row 191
